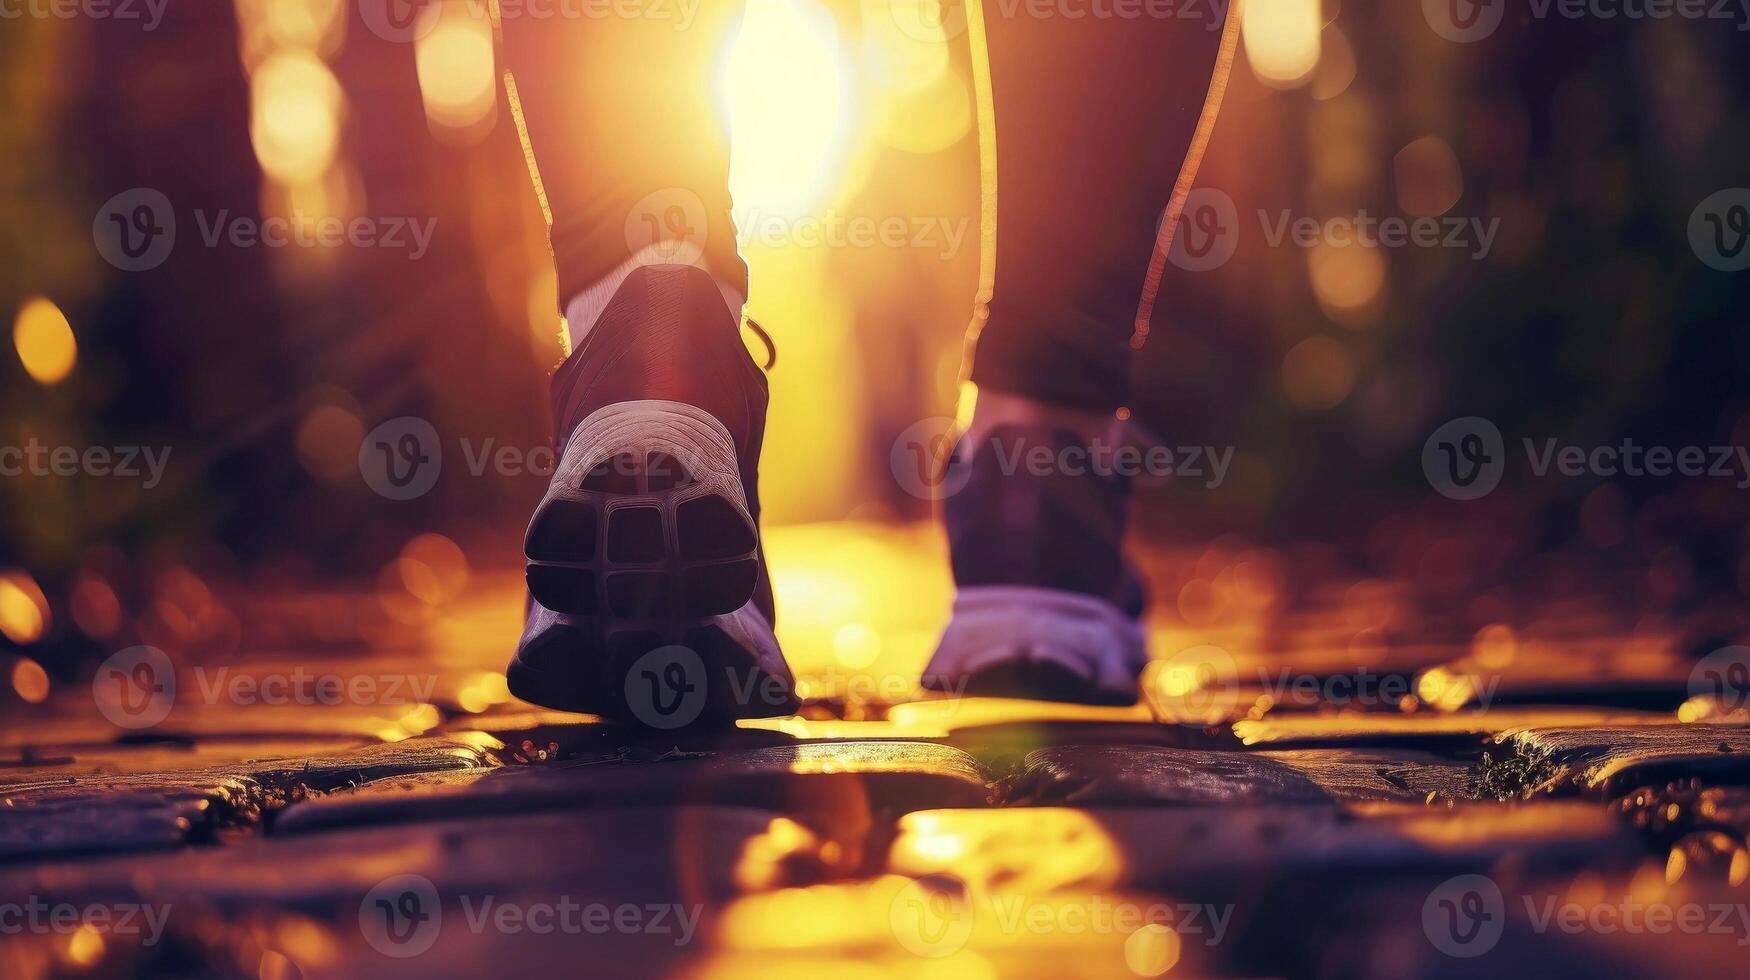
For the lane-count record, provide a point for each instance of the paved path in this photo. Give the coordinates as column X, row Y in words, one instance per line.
column 1306, row 791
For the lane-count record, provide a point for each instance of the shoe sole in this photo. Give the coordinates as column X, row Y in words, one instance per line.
column 576, row 668
column 646, row 519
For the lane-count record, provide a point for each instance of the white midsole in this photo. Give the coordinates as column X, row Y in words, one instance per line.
column 997, row 624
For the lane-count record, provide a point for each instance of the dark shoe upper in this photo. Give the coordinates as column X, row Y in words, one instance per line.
column 1023, row 517
column 647, row 512
column 667, row 334
column 1047, row 607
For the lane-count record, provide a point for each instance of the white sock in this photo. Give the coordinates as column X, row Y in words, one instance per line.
column 584, row 309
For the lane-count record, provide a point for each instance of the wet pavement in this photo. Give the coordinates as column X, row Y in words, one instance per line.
column 1313, row 785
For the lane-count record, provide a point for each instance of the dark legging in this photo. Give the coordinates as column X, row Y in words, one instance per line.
column 1095, row 125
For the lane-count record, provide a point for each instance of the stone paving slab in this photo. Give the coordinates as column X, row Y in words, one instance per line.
column 463, row 899
column 836, row 785
column 1609, row 761
column 1141, row 775
column 894, row 925
column 35, row 763
column 50, row 814
column 1200, row 850
column 1517, row 925
column 711, row 853
column 77, row 725
column 1426, row 729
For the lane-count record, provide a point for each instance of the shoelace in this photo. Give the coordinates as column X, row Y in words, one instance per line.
column 765, row 338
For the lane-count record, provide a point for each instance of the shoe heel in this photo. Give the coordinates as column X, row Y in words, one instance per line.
column 646, row 519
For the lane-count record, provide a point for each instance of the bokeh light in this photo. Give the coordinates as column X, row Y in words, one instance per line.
column 45, row 341
column 24, row 610
column 1317, row 373
column 455, row 63
column 1282, row 39
column 295, row 116
column 1429, row 181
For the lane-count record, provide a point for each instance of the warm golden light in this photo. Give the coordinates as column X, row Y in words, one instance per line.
column 856, row 645
column 45, row 341
column 444, row 561
column 457, row 75
column 1429, row 178
column 1282, row 40
column 785, row 90
column 24, row 611
column 311, row 24
column 903, row 58
column 328, row 441
column 29, row 681
column 86, row 946
column 1346, row 277
column 931, row 118
column 1317, row 373
column 295, row 117
column 1151, row 950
